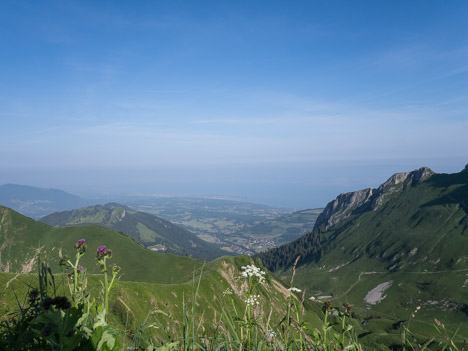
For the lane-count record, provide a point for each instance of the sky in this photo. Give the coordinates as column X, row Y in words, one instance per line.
column 286, row 103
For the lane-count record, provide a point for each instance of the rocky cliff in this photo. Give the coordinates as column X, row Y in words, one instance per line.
column 347, row 203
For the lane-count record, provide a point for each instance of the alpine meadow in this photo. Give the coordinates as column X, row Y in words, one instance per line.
column 233, row 175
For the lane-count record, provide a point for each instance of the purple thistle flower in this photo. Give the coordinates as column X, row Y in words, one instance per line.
column 101, row 249
column 80, row 246
column 79, row 268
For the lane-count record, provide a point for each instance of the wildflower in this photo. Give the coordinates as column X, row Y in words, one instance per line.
column 115, row 268
column 293, row 289
column 252, row 300
column 253, row 271
column 347, row 306
column 272, row 334
column 79, row 268
column 327, row 306
column 228, row 291
column 102, row 252
column 60, row 302
column 80, row 246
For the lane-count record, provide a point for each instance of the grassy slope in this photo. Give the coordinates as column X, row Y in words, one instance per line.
column 136, row 303
column 145, row 228
column 417, row 240
column 149, row 279
column 161, row 301
column 22, row 239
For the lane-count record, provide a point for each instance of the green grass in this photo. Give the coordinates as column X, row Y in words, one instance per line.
column 166, row 307
column 146, row 234
column 23, row 240
column 417, row 238
column 162, row 312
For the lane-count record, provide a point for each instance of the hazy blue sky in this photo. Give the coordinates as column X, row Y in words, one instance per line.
column 285, row 103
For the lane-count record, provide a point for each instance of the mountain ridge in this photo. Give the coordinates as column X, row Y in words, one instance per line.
column 36, row 202
column 344, row 204
column 388, row 257
column 149, row 230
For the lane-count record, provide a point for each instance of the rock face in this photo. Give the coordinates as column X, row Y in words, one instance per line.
column 399, row 182
column 342, row 206
column 345, row 204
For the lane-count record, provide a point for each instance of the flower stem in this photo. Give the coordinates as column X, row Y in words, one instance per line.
column 106, row 289
column 75, row 274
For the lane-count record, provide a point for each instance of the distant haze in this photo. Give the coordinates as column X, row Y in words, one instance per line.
column 281, row 103
column 292, row 186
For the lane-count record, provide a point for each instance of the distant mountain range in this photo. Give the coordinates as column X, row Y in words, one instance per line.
column 37, row 202
column 221, row 226
column 390, row 249
column 151, row 231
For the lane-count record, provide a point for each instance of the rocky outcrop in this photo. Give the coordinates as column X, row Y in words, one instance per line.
column 341, row 207
column 399, row 182
column 414, row 177
column 345, row 204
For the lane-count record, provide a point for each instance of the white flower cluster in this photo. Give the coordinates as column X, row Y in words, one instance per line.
column 253, row 271
column 272, row 334
column 228, row 291
column 293, row 289
column 252, row 300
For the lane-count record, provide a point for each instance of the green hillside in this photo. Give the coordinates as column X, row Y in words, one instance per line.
column 161, row 295
column 389, row 250
column 152, row 232
column 23, row 240
column 161, row 292
column 135, row 305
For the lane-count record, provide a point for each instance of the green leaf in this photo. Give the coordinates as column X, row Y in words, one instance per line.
column 173, row 346
column 107, row 341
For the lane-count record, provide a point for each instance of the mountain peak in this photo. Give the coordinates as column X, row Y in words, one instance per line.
column 413, row 177
column 421, row 174
column 344, row 204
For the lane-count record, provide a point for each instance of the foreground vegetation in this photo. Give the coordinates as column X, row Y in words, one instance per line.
column 77, row 311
